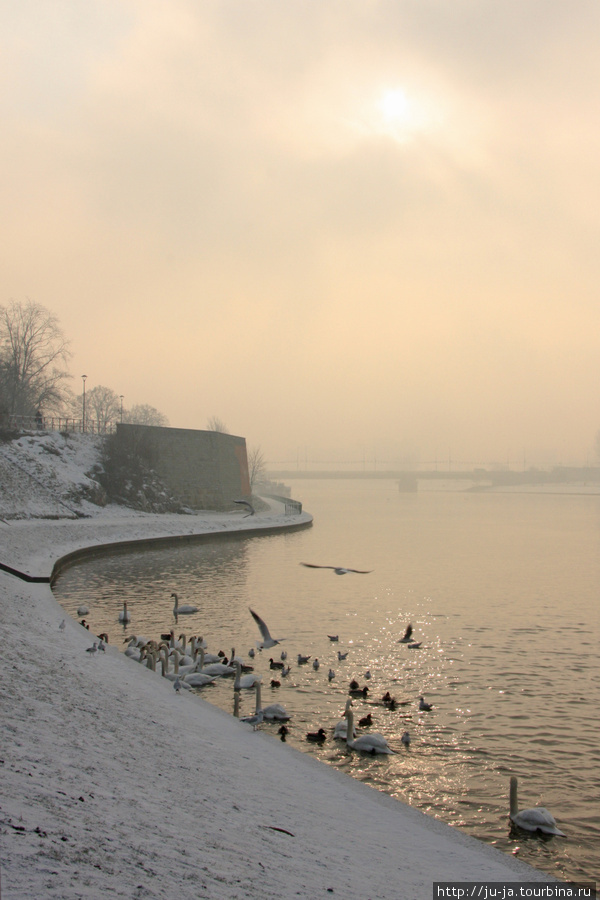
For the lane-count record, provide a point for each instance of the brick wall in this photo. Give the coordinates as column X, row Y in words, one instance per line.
column 206, row 469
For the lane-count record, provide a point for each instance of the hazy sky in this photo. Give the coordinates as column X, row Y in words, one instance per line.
column 347, row 229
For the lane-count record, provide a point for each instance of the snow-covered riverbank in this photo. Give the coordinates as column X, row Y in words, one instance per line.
column 115, row 786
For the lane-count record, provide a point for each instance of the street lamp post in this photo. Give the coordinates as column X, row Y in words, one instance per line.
column 121, row 398
column 83, row 405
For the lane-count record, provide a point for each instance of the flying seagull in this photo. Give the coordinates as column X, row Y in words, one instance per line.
column 339, row 570
column 267, row 640
column 407, row 635
column 248, row 506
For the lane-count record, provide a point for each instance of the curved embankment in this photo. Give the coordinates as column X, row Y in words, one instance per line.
column 114, row 785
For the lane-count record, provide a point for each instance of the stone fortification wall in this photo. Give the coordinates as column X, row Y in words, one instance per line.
column 206, row 469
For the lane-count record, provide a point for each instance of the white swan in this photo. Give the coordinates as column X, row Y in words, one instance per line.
column 275, row 711
column 82, row 611
column 535, row 819
column 124, row 615
column 244, row 682
column 341, row 729
column 367, row 743
column 182, row 610
column 216, row 668
column 199, row 679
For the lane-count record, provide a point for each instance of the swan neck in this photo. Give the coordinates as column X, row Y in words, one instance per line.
column 513, row 799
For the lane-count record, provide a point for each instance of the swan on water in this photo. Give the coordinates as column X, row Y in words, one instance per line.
column 182, row 610
column 244, row 682
column 366, row 743
column 267, row 640
column 341, row 729
column 82, row 611
column 275, row 711
column 124, row 615
column 199, row 679
column 535, row 819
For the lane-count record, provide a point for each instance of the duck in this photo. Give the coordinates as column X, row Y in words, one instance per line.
column 275, row 665
column 283, row 731
column 124, row 615
column 358, row 691
column 366, row 743
column 366, row 721
column 538, row 818
column 317, row 737
column 274, row 683
column 182, row 610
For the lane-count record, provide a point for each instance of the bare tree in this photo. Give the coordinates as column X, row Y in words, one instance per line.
column 102, row 406
column 216, row 424
column 257, row 465
column 33, row 356
column 143, row 414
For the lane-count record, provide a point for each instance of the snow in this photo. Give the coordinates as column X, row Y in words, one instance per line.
column 114, row 785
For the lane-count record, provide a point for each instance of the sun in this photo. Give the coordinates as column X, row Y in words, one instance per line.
column 394, row 106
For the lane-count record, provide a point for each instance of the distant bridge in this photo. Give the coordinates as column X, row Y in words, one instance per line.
column 496, row 477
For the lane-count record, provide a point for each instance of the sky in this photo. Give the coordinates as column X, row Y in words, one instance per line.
column 355, row 232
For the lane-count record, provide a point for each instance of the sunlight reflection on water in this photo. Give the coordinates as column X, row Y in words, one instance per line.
column 501, row 589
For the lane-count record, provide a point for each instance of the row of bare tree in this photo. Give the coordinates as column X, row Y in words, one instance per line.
column 34, row 375
column 34, row 381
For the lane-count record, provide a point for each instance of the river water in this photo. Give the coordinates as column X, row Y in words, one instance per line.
column 502, row 590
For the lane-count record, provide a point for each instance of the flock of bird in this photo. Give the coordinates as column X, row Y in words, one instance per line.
column 188, row 664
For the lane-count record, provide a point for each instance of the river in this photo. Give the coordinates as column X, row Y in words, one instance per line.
column 500, row 588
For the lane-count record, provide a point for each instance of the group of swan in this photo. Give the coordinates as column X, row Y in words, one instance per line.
column 197, row 674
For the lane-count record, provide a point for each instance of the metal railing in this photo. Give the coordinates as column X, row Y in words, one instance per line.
column 56, row 423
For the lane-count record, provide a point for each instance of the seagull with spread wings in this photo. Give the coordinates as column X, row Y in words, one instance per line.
column 267, row 640
column 339, row 570
column 247, row 505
